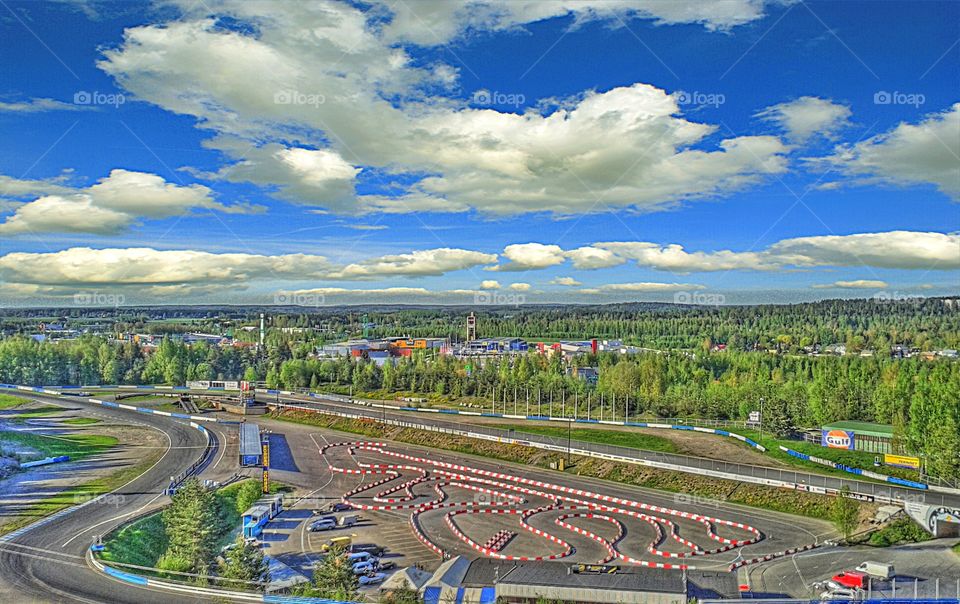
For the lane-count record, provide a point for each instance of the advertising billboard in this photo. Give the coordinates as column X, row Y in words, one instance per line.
column 837, row 439
column 902, row 461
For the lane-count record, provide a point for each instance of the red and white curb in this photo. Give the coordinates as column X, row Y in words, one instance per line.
column 507, row 496
column 773, row 556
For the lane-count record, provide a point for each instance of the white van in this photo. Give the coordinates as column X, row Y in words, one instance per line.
column 359, row 557
column 878, row 570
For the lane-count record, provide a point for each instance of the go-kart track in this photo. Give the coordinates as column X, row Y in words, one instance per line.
column 511, row 517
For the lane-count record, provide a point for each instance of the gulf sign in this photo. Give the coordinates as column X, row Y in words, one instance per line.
column 837, row 439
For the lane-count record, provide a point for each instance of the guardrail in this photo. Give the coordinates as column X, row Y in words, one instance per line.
column 857, row 471
column 814, row 483
column 141, row 581
column 179, row 478
column 775, row 477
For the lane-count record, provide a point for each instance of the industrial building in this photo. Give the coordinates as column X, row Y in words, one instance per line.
column 487, row 580
column 859, row 436
column 250, row 449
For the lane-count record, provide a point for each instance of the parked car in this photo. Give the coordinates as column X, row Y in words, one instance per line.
column 372, row 579
column 362, row 568
column 840, row 594
column 851, row 579
column 878, row 570
column 324, row 524
column 339, row 507
column 360, row 557
column 386, row 565
column 371, row 548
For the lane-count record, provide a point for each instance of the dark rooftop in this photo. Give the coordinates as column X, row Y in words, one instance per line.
column 485, row 572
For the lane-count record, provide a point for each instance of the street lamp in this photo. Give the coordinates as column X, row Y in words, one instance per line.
column 761, row 419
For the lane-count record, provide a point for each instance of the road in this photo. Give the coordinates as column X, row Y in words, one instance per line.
column 696, row 465
column 47, row 563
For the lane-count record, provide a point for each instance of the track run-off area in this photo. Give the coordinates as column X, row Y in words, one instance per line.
column 525, row 519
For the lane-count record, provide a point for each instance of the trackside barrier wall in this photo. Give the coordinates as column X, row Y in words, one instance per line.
column 856, row 471
column 95, row 401
column 343, row 399
column 813, row 483
column 577, row 448
column 134, row 579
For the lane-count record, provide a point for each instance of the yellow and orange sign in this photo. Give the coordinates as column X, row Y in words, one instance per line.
column 903, row 461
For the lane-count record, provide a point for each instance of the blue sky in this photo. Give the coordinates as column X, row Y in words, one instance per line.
column 488, row 152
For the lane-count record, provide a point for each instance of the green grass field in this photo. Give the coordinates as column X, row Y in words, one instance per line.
column 78, row 494
column 35, row 412
column 81, row 421
column 8, row 401
column 77, row 446
column 621, row 438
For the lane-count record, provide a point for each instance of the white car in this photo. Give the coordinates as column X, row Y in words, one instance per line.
column 324, row 524
column 372, row 579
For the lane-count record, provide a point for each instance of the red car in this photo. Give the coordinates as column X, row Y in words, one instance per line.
column 851, row 578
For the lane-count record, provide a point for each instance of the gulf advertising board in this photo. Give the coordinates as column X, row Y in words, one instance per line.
column 837, row 439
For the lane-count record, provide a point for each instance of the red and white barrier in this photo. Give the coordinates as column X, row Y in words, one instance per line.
column 508, row 494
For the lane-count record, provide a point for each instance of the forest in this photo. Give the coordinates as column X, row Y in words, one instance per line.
column 766, row 357
column 920, row 398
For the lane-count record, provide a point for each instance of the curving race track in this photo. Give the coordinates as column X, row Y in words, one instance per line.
column 47, row 562
column 671, row 534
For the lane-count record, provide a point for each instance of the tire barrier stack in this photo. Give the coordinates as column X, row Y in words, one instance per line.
column 499, row 540
column 505, row 494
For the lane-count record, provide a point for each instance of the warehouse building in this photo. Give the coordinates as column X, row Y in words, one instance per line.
column 858, row 436
column 530, row 582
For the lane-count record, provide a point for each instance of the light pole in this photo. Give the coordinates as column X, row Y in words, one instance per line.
column 761, row 420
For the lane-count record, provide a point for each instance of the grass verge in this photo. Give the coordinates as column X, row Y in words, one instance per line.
column 77, row 446
column 759, row 496
column 81, row 421
column 78, row 494
column 902, row 530
column 144, row 541
column 8, row 401
column 621, row 438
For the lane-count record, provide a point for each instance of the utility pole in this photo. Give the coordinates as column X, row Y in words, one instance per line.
column 569, row 430
column 761, row 420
